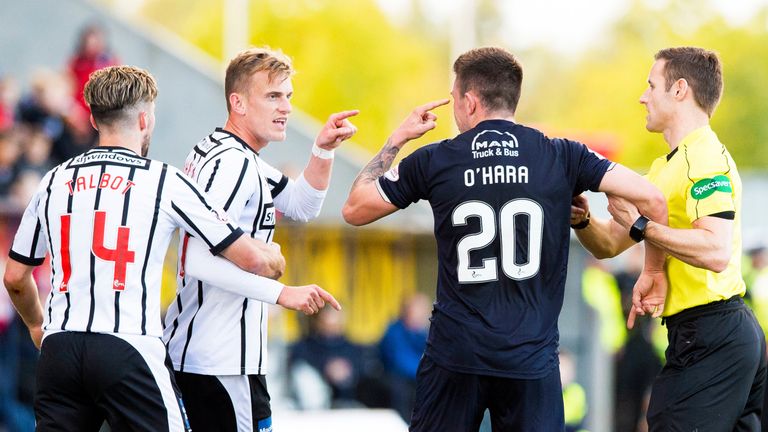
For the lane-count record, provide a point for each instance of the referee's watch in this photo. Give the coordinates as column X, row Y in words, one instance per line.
column 637, row 232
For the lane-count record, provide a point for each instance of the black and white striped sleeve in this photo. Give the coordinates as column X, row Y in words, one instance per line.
column 30, row 244
column 278, row 182
column 229, row 180
column 190, row 208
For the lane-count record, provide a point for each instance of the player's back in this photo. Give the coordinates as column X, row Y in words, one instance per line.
column 500, row 194
column 100, row 214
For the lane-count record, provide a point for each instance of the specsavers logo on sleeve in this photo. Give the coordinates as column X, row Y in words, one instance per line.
column 707, row 186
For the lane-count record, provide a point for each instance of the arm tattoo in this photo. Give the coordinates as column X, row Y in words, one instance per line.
column 378, row 165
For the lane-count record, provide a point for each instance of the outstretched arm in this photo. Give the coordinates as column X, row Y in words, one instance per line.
column 337, row 129
column 201, row 265
column 364, row 204
column 707, row 245
column 606, row 238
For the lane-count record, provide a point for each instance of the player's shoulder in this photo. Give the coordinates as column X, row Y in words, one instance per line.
column 220, row 144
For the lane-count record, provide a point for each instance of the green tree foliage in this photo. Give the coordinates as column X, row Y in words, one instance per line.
column 347, row 53
column 599, row 91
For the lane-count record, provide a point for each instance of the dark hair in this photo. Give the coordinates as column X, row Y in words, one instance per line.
column 494, row 73
column 700, row 68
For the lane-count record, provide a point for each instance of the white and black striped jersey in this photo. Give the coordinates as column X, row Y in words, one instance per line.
column 210, row 330
column 106, row 217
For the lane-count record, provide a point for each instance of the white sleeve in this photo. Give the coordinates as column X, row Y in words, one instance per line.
column 190, row 210
column 221, row 273
column 299, row 200
column 30, row 244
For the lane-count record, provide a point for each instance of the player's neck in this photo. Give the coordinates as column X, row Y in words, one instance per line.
column 129, row 141
column 494, row 116
column 244, row 134
column 683, row 125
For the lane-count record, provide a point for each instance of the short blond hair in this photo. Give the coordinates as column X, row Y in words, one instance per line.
column 248, row 62
column 112, row 91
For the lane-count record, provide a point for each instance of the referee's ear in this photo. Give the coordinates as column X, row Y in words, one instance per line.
column 93, row 122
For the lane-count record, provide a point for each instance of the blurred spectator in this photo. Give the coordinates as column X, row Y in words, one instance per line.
column 327, row 350
column 9, row 97
column 637, row 363
column 18, row 358
column 91, row 53
column 601, row 292
column 23, row 189
column 36, row 150
column 48, row 107
column 574, row 396
column 9, row 156
column 401, row 349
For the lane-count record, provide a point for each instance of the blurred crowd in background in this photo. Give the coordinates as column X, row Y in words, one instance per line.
column 47, row 121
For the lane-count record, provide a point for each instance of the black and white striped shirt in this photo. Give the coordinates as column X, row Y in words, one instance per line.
column 209, row 330
column 106, row 217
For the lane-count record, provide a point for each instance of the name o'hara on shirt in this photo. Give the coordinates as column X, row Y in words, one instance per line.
column 496, row 174
column 93, row 181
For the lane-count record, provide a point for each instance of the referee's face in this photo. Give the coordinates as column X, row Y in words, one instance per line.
column 268, row 105
column 658, row 101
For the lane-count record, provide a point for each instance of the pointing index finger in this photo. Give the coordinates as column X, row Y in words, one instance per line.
column 631, row 318
column 325, row 295
column 339, row 116
column 432, row 105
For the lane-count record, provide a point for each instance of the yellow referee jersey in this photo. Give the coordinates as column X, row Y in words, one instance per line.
column 699, row 179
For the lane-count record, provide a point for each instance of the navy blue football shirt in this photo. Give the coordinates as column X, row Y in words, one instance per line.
column 501, row 198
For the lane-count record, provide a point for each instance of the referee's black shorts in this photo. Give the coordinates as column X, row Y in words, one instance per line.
column 715, row 375
column 86, row 378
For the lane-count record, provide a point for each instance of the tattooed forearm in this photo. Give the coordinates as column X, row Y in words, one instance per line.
column 378, row 165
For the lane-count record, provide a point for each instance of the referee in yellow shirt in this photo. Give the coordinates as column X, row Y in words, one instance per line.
column 715, row 373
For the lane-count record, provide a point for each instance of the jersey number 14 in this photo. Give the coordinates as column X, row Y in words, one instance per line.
column 488, row 271
column 120, row 255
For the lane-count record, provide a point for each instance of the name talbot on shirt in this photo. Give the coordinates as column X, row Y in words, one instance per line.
column 93, row 181
column 494, row 143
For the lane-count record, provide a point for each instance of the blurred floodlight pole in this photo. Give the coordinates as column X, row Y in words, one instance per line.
column 463, row 27
column 235, row 38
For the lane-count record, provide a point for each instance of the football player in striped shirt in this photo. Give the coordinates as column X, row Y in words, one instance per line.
column 106, row 218
column 217, row 333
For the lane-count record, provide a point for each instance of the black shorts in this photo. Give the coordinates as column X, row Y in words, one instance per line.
column 86, row 378
column 714, row 378
column 226, row 403
column 452, row 401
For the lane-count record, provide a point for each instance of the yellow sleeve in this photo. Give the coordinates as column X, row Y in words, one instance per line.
column 709, row 194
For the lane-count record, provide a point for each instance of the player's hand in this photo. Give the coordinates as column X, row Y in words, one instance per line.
column 623, row 211
column 420, row 121
column 579, row 209
column 272, row 262
column 36, row 332
column 308, row 299
column 338, row 128
column 648, row 295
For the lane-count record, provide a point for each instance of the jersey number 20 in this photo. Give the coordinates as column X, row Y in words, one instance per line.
column 488, row 271
column 120, row 255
